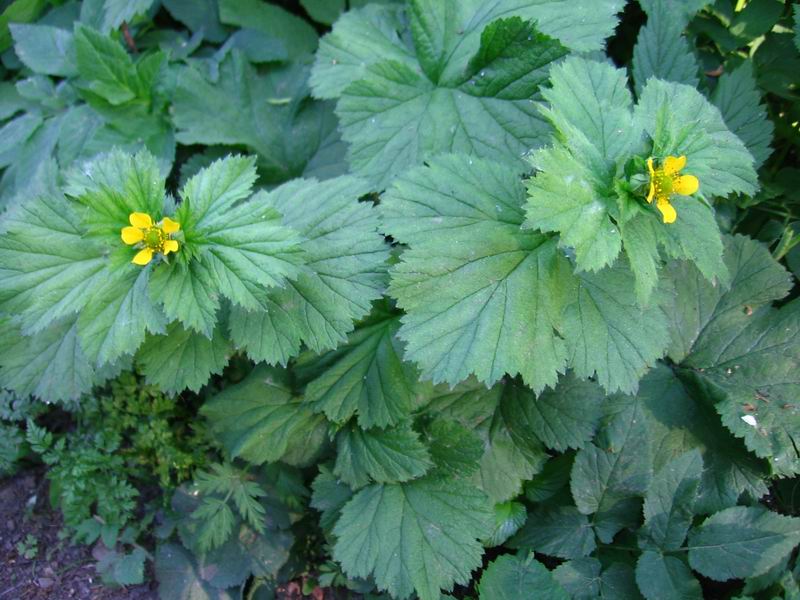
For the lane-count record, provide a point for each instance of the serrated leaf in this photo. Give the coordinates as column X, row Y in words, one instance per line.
column 481, row 296
column 420, row 536
column 182, row 359
column 369, row 35
column 603, row 328
column 666, row 577
column 344, row 272
column 618, row 582
column 198, row 15
column 45, row 49
column 580, row 578
column 267, row 113
column 187, row 293
column 324, row 11
column 562, row 418
column 396, row 118
column 508, row 518
column 560, row 531
column 470, row 403
column 49, row 270
column 178, row 576
column 669, row 503
column 365, row 375
column 661, row 51
column 259, row 408
column 117, row 315
column 273, row 21
column 456, row 451
column 740, row 102
column 683, row 10
column 681, row 122
column 380, row 455
column 741, row 542
column 116, row 12
column 329, row 495
column 512, row 577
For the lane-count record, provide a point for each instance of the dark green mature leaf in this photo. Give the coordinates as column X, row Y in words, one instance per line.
column 666, row 578
column 182, row 359
column 456, row 451
column 187, row 293
column 661, row 51
column 508, row 518
column 396, row 118
column 580, row 577
column 419, row 536
column 669, row 503
column 178, row 576
column 513, row 577
column 18, row 11
column 481, row 296
column 560, row 531
column 117, row 12
column 618, row 582
column 739, row 101
column 343, row 274
column 682, row 10
column 365, row 375
column 198, row 15
column 381, row 455
column 45, row 49
column 268, row 113
column 329, row 495
column 563, row 418
column 742, row 542
column 258, row 419
column 324, row 11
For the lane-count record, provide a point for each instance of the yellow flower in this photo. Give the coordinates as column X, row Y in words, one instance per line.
column 666, row 181
column 149, row 237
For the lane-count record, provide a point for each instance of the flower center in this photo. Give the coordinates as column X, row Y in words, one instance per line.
column 663, row 184
column 154, row 238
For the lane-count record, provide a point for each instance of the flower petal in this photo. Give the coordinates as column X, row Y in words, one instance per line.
column 651, row 193
column 143, row 257
column 141, row 220
column 169, row 226
column 132, row 235
column 170, row 246
column 650, row 167
column 674, row 164
column 685, row 185
column 668, row 213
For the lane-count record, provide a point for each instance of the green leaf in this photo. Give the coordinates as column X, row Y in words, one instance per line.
column 273, row 21
column 324, row 11
column 618, row 582
column 268, row 113
column 261, row 407
column 681, row 122
column 377, row 33
column 563, row 418
column 45, row 49
column 661, row 51
column 603, row 328
column 666, row 577
column 682, row 10
column 117, row 12
column 513, row 577
column 329, row 495
column 117, row 315
column 178, row 576
column 455, row 450
column 396, row 118
column 796, row 11
column 742, row 542
column 560, row 531
column 380, row 455
column 182, row 359
column 670, row 499
column 18, row 11
column 49, row 269
column 580, row 577
column 198, row 15
column 508, row 518
column 187, row 292
column 343, row 273
column 419, row 536
column 738, row 99
column 365, row 375
column 481, row 296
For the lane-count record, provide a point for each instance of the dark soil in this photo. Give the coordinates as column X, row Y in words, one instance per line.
column 60, row 570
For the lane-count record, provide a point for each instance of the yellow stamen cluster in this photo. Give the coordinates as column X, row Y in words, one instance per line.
column 665, row 181
column 149, row 237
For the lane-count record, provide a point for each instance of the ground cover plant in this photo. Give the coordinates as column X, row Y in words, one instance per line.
column 394, row 299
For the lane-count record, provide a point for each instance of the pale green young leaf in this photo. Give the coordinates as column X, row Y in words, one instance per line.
column 514, row 577
column 603, row 329
column 743, row 541
column 738, row 99
column 188, row 293
column 661, row 577
column 182, row 358
column 259, row 408
column 455, row 450
column 419, row 536
column 661, row 50
column 273, row 21
column 380, row 455
column 481, row 296
column 560, row 531
column 562, row 418
column 269, row 113
column 117, row 12
column 395, row 117
column 49, row 269
column 681, row 122
column 365, row 375
column 669, row 502
column 117, row 315
column 508, row 518
column 45, row 49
